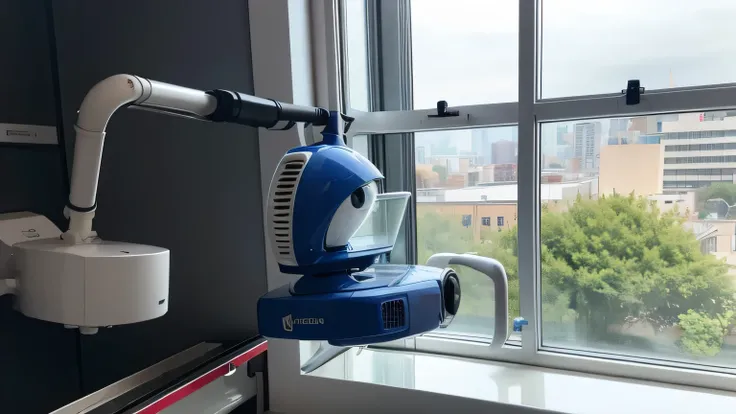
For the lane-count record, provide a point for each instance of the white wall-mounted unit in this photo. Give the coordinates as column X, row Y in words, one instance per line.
column 85, row 285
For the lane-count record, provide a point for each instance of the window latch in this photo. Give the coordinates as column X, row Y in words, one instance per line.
column 519, row 324
column 633, row 92
column 443, row 111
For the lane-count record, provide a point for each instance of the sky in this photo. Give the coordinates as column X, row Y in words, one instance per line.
column 466, row 51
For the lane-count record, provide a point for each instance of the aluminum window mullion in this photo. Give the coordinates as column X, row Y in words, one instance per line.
column 394, row 66
column 373, row 27
column 385, row 122
column 391, row 64
column 662, row 101
column 342, row 52
column 528, row 206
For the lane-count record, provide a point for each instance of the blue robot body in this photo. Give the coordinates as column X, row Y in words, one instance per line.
column 329, row 225
column 329, row 177
column 392, row 302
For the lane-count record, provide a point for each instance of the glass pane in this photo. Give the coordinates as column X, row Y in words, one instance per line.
column 382, row 225
column 595, row 47
column 464, row 52
column 357, row 53
column 360, row 144
column 638, row 238
column 466, row 202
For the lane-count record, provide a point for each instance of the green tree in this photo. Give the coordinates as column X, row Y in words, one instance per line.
column 441, row 171
column 611, row 261
column 622, row 261
column 444, row 233
column 702, row 334
column 555, row 165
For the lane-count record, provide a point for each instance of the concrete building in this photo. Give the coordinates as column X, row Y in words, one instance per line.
column 454, row 164
column 648, row 124
column 618, row 128
column 504, row 152
column 504, row 173
column 587, row 145
column 487, row 173
column 627, row 168
column 683, row 202
column 699, row 149
column 495, row 205
column 717, row 237
column 456, row 181
column 491, row 217
column 480, row 144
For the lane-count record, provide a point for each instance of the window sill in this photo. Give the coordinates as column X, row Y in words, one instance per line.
column 521, row 385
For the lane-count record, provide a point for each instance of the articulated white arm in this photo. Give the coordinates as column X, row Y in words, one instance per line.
column 120, row 90
column 99, row 104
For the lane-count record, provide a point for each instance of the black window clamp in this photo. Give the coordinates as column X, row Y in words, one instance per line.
column 633, row 92
column 443, row 112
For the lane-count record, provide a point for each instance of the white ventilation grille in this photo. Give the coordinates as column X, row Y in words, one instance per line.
column 281, row 198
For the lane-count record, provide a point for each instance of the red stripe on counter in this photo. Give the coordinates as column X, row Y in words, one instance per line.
column 198, row 383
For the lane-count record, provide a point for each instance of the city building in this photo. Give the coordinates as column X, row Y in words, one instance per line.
column 495, row 204
column 504, row 172
column 631, row 168
column 487, row 173
column 684, row 202
column 648, row 124
column 504, row 152
column 420, row 156
column 618, row 128
column 562, row 134
column 587, row 145
column 480, row 144
column 717, row 237
column 454, row 163
column 699, row 149
column 456, row 181
column 473, row 178
column 482, row 141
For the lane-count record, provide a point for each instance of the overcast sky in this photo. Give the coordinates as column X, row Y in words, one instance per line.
column 466, row 51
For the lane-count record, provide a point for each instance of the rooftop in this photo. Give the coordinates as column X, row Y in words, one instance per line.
column 506, row 192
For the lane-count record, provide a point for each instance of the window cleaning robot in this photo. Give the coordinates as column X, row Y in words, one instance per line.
column 326, row 222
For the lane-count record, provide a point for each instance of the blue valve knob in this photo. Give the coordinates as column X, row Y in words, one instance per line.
column 519, row 323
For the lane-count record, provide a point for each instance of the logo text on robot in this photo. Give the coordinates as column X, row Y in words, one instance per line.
column 288, row 322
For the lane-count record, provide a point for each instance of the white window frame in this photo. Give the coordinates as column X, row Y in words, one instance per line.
column 528, row 113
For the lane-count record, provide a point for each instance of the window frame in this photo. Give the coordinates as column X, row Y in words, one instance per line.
column 390, row 127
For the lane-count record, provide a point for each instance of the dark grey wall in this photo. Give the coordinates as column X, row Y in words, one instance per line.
column 189, row 186
column 38, row 360
column 26, row 67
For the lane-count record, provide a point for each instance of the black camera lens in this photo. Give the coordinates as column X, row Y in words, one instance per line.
column 357, row 198
column 451, row 294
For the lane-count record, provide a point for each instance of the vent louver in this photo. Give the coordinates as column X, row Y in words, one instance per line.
column 393, row 315
column 281, row 204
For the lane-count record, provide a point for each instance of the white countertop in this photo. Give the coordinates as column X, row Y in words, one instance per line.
column 522, row 385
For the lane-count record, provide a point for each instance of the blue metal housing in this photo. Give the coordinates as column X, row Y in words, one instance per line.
column 383, row 303
column 342, row 297
column 333, row 172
